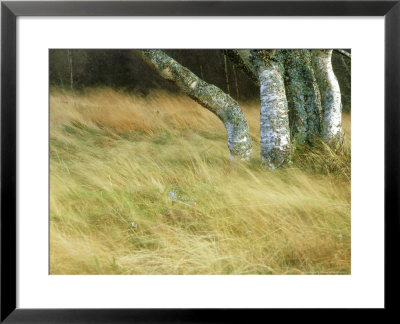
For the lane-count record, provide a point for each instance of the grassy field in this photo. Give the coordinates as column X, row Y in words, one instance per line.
column 115, row 160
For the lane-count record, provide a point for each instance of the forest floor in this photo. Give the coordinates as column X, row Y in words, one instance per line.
column 144, row 186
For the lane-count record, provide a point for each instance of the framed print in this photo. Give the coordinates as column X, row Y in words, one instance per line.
column 197, row 161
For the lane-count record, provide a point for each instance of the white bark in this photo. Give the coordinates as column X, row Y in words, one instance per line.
column 274, row 118
column 330, row 97
column 210, row 97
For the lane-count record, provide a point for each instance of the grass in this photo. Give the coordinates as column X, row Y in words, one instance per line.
column 115, row 158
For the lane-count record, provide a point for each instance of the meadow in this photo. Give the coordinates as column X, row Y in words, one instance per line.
column 144, row 185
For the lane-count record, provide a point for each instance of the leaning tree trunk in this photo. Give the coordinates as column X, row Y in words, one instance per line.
column 210, row 97
column 303, row 96
column 274, row 119
column 330, row 97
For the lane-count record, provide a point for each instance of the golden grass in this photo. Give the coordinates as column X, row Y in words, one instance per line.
column 114, row 159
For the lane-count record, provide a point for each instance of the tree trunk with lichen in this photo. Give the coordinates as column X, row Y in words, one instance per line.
column 303, row 96
column 210, row 97
column 274, row 118
column 330, row 97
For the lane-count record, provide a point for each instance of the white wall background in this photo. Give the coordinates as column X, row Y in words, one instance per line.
column 363, row 288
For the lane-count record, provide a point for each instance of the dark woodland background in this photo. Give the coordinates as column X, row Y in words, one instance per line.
column 123, row 70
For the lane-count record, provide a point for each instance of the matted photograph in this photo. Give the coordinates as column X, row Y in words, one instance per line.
column 200, row 161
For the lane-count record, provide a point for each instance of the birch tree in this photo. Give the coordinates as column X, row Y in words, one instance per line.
column 312, row 92
column 274, row 119
column 330, row 97
column 303, row 96
column 210, row 97
column 300, row 99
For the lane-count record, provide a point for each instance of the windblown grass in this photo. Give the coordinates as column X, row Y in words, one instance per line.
column 115, row 159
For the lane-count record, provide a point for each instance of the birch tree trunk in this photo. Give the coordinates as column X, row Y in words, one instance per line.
column 330, row 97
column 274, row 119
column 303, row 96
column 210, row 97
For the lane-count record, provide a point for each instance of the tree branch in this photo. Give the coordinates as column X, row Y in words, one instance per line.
column 236, row 58
column 345, row 53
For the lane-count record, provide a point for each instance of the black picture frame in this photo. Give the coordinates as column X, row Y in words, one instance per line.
column 9, row 13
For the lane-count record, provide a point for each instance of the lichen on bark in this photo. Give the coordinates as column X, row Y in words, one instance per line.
column 330, row 97
column 210, row 97
column 274, row 121
column 303, row 96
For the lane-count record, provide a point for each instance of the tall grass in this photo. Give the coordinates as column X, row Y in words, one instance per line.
column 115, row 160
